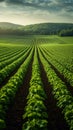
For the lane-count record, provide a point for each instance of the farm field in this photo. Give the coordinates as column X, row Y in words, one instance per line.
column 36, row 83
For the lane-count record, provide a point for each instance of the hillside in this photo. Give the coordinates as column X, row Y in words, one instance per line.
column 48, row 28
column 5, row 25
column 40, row 29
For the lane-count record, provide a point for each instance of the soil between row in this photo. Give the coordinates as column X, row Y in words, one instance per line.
column 14, row 119
column 61, row 76
column 56, row 119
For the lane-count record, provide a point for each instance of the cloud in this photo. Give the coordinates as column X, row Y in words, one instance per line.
column 2, row 0
column 14, row 2
column 38, row 10
column 52, row 6
column 49, row 5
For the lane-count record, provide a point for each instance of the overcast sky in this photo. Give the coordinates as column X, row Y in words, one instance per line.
column 36, row 11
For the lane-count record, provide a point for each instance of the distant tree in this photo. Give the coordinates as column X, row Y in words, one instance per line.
column 66, row 32
column 61, row 29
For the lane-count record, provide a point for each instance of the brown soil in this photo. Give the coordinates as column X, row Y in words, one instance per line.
column 55, row 118
column 14, row 119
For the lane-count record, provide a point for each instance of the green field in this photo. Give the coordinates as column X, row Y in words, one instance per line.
column 35, row 39
column 36, row 82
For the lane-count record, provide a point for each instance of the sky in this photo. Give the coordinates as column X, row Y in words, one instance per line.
column 28, row 12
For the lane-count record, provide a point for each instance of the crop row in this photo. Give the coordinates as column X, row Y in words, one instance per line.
column 67, row 74
column 63, row 56
column 64, row 99
column 4, row 50
column 8, row 92
column 11, row 55
column 12, row 59
column 5, row 54
column 35, row 116
column 4, row 73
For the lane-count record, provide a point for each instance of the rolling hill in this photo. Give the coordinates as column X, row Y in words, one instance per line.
column 40, row 29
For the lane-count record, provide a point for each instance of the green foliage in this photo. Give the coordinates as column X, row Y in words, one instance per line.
column 5, row 72
column 35, row 111
column 35, row 116
column 8, row 58
column 66, row 32
column 40, row 29
column 2, row 112
column 35, row 124
column 63, row 96
column 2, row 124
column 60, row 67
column 8, row 92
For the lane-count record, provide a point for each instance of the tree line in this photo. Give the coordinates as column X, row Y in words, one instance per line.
column 60, row 29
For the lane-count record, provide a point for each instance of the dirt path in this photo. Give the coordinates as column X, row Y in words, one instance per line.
column 14, row 115
column 55, row 118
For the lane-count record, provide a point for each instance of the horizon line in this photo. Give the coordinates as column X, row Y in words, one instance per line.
column 37, row 23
